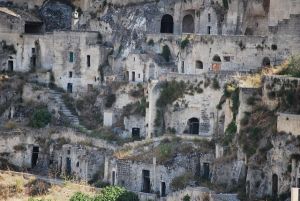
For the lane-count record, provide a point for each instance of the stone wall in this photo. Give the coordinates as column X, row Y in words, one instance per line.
column 288, row 123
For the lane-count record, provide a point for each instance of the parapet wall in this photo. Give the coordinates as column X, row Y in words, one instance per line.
column 288, row 123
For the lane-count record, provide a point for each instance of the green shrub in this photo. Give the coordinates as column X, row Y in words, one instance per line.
column 184, row 43
column 166, row 53
column 230, row 133
column 186, row 198
column 40, row 118
column 128, row 196
column 171, row 91
column 181, row 182
column 225, row 4
column 81, row 197
column 151, row 42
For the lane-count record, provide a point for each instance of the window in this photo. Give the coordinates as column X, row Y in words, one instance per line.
column 139, row 75
column 209, row 17
column 199, row 64
column 227, row 58
column 70, row 74
column 33, row 51
column 182, row 66
column 208, row 30
column 88, row 61
column 71, row 57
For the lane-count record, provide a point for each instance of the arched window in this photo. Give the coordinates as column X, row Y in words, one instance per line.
column 266, row 62
column 188, row 25
column 216, row 58
column 199, row 64
column 167, row 24
column 193, row 124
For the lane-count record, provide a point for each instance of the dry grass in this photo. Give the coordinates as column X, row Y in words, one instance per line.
column 255, row 80
column 14, row 187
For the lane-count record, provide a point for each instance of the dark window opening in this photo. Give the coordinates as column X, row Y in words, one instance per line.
column 68, row 166
column 167, row 24
column 136, row 133
column 133, row 76
column 90, row 87
column 70, row 88
column 10, row 66
column 35, row 156
column 208, row 30
column 188, row 25
column 113, row 178
column 33, row 27
column 70, row 74
column 71, row 57
column 69, row 152
column 88, row 62
column 182, row 66
column 274, row 185
column 146, row 181
column 298, row 182
column 227, row 58
column 209, row 17
column 199, row 64
column 216, row 58
column 163, row 189
column 206, row 171
column 193, row 124
column 33, row 51
column 266, row 62
column 77, row 164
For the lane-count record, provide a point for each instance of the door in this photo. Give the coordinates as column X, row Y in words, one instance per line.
column 146, row 181
column 70, row 88
column 163, row 189
column 68, row 166
column 10, row 66
column 136, row 133
column 113, row 178
column 35, row 156
column 133, row 76
column 206, row 171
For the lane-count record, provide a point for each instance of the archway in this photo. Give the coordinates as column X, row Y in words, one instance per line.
column 167, row 24
column 216, row 58
column 274, row 185
column 266, row 62
column 193, row 124
column 199, row 64
column 188, row 25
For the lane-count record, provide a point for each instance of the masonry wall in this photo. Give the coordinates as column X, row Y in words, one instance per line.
column 288, row 123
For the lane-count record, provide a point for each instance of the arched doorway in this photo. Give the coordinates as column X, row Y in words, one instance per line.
column 193, row 124
column 274, row 185
column 188, row 25
column 199, row 64
column 266, row 62
column 216, row 58
column 167, row 24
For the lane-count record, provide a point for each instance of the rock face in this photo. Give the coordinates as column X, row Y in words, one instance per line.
column 57, row 15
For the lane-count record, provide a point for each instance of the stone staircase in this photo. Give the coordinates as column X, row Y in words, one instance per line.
column 57, row 97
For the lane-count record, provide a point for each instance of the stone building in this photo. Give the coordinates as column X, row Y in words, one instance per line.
column 155, row 178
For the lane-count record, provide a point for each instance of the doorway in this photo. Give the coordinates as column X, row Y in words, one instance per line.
column 136, row 133
column 193, row 124
column 35, row 156
column 163, row 189
column 68, row 166
column 70, row 88
column 113, row 178
column 274, row 185
column 10, row 66
column 146, row 181
column 133, row 76
column 206, row 171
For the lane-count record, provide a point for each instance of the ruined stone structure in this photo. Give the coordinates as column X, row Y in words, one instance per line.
column 172, row 76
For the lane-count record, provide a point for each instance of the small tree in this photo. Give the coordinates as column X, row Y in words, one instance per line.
column 40, row 118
